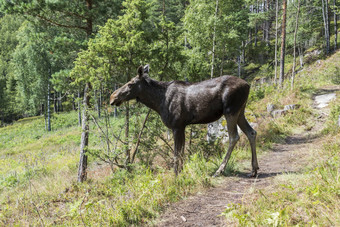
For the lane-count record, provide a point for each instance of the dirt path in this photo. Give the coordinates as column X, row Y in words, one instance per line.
column 204, row 209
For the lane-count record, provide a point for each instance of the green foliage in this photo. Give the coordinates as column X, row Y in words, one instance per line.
column 199, row 23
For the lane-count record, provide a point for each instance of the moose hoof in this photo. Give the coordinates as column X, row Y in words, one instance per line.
column 253, row 174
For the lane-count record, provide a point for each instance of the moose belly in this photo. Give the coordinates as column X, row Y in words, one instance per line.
column 206, row 111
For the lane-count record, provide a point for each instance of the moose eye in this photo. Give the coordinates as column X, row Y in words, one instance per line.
column 129, row 85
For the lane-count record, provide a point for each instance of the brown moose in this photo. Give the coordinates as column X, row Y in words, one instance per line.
column 181, row 103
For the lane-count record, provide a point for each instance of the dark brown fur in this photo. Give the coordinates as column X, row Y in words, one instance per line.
column 181, row 103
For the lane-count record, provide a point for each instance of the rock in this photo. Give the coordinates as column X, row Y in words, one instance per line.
column 183, row 219
column 322, row 101
column 291, row 107
column 218, row 130
column 270, row 108
column 278, row 113
column 339, row 121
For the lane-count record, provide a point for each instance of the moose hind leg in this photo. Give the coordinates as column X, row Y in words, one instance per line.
column 233, row 138
column 251, row 135
column 179, row 137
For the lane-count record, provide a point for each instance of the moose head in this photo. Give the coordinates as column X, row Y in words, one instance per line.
column 131, row 89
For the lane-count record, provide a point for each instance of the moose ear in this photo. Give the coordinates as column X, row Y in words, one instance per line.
column 140, row 71
column 146, row 69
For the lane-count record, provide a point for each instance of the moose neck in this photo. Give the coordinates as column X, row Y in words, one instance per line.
column 153, row 94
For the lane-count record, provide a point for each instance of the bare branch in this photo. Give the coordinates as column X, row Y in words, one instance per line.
column 139, row 137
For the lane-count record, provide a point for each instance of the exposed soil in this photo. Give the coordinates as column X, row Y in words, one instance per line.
column 204, row 209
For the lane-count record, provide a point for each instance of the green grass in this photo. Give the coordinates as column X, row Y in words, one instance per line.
column 307, row 198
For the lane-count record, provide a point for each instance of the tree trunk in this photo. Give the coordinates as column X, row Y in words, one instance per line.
column 79, row 111
column 82, row 172
column 239, row 65
column 326, row 23
column 73, row 102
column 48, row 105
column 276, row 38
column 268, row 23
column 60, row 102
column 256, row 11
column 214, row 43
column 301, row 55
column 100, row 102
column 294, row 48
column 283, row 43
column 335, row 26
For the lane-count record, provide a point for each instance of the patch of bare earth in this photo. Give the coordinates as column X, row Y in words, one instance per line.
column 204, row 209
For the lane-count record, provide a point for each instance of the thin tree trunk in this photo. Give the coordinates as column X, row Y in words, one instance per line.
column 256, row 11
column 294, row 49
column 139, row 137
column 214, row 43
column 79, row 111
column 301, row 55
column 268, row 22
column 82, row 170
column 73, row 102
column 276, row 38
column 326, row 23
column 283, row 43
column 60, row 102
column 100, row 101
column 335, row 26
column 48, row 105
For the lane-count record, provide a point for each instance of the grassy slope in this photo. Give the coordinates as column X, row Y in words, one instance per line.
column 38, row 169
column 310, row 197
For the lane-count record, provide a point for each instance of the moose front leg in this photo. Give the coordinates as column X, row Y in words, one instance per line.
column 179, row 137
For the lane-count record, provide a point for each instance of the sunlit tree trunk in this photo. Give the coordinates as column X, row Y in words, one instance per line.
column 294, row 48
column 214, row 43
column 335, row 26
column 326, row 24
column 256, row 11
column 276, row 38
column 283, row 43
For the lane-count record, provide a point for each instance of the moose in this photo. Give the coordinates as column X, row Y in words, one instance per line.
column 182, row 103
